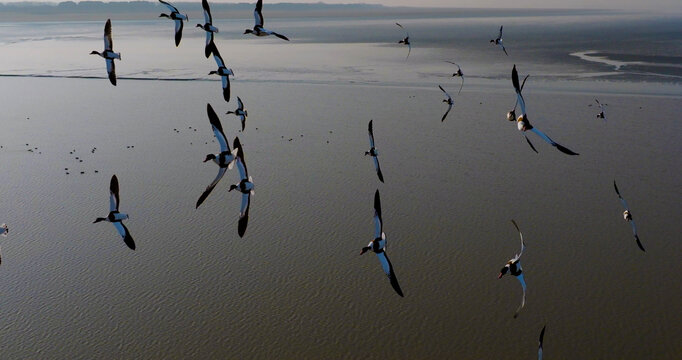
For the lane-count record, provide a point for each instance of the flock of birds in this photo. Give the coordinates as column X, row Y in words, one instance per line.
column 226, row 158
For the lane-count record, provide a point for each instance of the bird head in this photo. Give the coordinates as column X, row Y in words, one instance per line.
column 94, row 52
column 213, row 72
column 511, row 116
column 200, row 26
column 503, row 271
column 164, row 15
column 248, row 31
column 98, row 220
column 209, row 157
column 364, row 249
column 233, row 187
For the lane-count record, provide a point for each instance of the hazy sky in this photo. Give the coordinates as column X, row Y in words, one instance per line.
column 653, row 5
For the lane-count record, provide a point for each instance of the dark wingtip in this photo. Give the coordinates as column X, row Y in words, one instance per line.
column 639, row 243
column 566, row 150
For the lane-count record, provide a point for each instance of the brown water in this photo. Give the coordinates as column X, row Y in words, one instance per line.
column 294, row 286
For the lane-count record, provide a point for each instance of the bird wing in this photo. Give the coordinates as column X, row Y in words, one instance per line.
column 244, row 214
column 240, row 104
column 170, row 7
column 371, row 134
column 378, row 223
column 518, row 88
column 634, row 232
column 503, row 49
column 216, row 55
column 108, row 42
column 217, row 129
column 446, row 113
column 523, row 299
column 530, row 143
column 461, row 86
column 388, row 269
column 376, row 166
column 209, row 188
column 241, row 163
column 279, row 36
column 500, row 36
column 113, row 194
column 625, row 204
column 226, row 87
column 243, row 121
column 542, row 336
column 178, row 31
column 207, row 12
column 258, row 14
column 125, row 234
column 559, row 147
column 111, row 71
column 409, row 49
column 523, row 244
column 445, row 92
column 210, row 45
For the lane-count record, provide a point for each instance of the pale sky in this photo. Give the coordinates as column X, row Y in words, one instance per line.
column 652, row 5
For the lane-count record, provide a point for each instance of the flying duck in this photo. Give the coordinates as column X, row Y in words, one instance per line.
column 458, row 73
column 224, row 159
column 115, row 217
column 406, row 41
column 513, row 266
column 245, row 186
column 601, row 114
column 627, row 216
column 542, row 336
column 378, row 246
column 208, row 28
column 522, row 122
column 258, row 28
column 448, row 101
column 373, row 152
column 223, row 71
column 498, row 41
column 179, row 18
column 240, row 111
column 108, row 54
column 3, row 231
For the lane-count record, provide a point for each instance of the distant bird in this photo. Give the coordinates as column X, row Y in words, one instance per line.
column 448, row 101
column 179, row 18
column 224, row 159
column 373, row 152
column 208, row 28
column 245, row 186
column 3, row 231
column 240, row 111
column 627, row 216
column 513, row 266
column 458, row 73
column 222, row 71
column 406, row 41
column 522, row 122
column 498, row 41
column 108, row 54
column 601, row 114
column 115, row 217
column 378, row 245
column 258, row 28
column 542, row 336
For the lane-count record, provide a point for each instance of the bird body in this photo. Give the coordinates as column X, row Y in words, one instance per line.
column 108, row 53
column 115, row 217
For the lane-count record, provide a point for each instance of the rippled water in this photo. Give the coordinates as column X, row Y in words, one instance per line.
column 295, row 286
